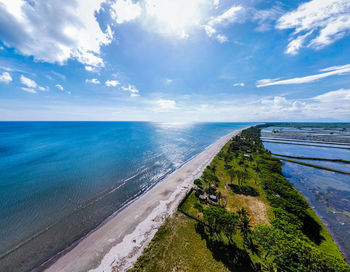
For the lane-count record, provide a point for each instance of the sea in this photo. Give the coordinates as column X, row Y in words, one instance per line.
column 61, row 180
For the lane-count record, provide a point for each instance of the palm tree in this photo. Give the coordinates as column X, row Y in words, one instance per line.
column 244, row 225
column 214, row 169
column 232, row 173
column 244, row 175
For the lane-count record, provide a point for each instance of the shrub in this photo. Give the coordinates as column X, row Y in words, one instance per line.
column 244, row 190
column 197, row 182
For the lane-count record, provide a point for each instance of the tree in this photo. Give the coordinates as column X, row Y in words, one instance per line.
column 221, row 220
column 197, row 182
column 244, row 176
column 232, row 173
column 244, row 225
column 289, row 253
column 241, row 176
column 208, row 176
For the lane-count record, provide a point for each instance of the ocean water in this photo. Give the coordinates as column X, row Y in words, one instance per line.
column 328, row 193
column 60, row 180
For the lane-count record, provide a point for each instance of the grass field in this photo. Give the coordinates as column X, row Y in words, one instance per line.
column 177, row 246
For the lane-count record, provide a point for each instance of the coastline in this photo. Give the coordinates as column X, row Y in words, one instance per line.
column 119, row 241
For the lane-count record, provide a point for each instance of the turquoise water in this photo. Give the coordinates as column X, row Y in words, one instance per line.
column 60, row 180
column 328, row 193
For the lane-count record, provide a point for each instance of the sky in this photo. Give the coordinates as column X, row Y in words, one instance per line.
column 175, row 60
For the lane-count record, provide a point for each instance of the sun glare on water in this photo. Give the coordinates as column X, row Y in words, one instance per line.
column 176, row 17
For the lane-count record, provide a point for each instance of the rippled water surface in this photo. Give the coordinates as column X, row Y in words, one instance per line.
column 59, row 180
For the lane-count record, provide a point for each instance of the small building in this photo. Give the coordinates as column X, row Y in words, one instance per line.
column 213, row 198
column 213, row 187
column 246, row 156
column 202, row 198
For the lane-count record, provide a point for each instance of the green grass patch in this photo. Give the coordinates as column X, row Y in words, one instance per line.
column 177, row 246
column 244, row 190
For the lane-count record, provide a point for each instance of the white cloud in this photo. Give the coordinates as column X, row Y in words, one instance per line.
column 31, row 85
column 132, row 89
column 63, row 77
column 5, row 77
column 54, row 31
column 12, row 69
column 281, row 104
column 125, row 10
column 240, row 14
column 330, row 71
column 92, row 81
column 28, row 90
column 209, row 30
column 328, row 21
column 43, row 89
column 168, row 81
column 164, row 105
column 334, row 96
column 175, row 18
column 295, row 44
column 112, row 83
column 28, row 82
column 60, row 87
column 216, row 3
column 91, row 69
column 330, row 105
column 227, row 17
column 265, row 18
column 239, row 84
column 221, row 38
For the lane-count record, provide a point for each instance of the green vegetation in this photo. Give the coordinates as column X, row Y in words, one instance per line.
column 311, row 158
column 248, row 217
column 177, row 246
column 290, row 143
column 244, row 190
column 316, row 166
column 311, row 125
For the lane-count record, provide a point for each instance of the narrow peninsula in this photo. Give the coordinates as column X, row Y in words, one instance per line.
column 243, row 215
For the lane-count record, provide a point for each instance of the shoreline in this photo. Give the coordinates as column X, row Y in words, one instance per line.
column 117, row 243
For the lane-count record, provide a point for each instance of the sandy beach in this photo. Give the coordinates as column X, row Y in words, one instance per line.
column 117, row 243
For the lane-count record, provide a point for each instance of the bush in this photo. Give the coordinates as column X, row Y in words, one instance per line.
column 244, row 190
column 197, row 182
column 198, row 206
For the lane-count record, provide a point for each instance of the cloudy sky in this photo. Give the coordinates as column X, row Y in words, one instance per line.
column 175, row 60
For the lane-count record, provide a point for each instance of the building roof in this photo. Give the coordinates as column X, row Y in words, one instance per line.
column 212, row 197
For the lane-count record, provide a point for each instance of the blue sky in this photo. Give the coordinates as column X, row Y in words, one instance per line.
column 167, row 60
